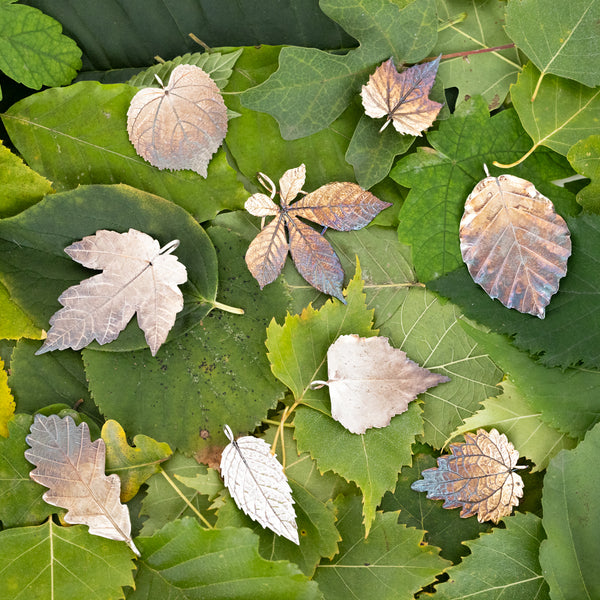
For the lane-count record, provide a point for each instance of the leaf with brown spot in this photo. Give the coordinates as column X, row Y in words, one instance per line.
column 180, row 125
column 402, row 97
column 514, row 244
column 478, row 476
column 341, row 206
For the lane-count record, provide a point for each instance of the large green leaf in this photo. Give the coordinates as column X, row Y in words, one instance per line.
column 393, row 562
column 182, row 560
column 78, row 135
column 36, row 270
column 15, row 323
column 502, row 562
column 571, row 515
column 33, row 50
column 570, row 332
column 49, row 561
column 559, row 37
column 214, row 374
column 584, row 156
column 312, row 88
column 467, row 25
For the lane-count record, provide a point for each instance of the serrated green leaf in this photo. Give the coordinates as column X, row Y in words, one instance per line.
column 186, row 561
column 133, row 465
column 33, row 50
column 15, row 323
column 571, row 513
column 393, row 562
column 564, row 42
column 78, row 135
column 208, row 483
column 216, row 373
column 32, row 250
column 20, row 498
column 502, row 562
column 312, row 88
column 444, row 528
column 43, row 562
column 570, row 332
column 584, row 156
column 20, row 186
column 511, row 413
column 467, row 25
column 7, row 402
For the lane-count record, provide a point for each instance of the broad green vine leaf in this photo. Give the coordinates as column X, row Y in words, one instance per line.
column 184, row 560
column 370, row 381
column 71, row 466
column 133, row 465
column 514, row 244
column 257, row 483
column 32, row 247
column 479, row 476
column 33, row 50
column 7, row 402
column 340, row 206
column 322, row 83
column 584, row 156
column 392, row 563
column 403, row 98
column 21, row 498
column 78, row 135
column 559, row 38
column 571, row 513
column 47, row 561
column 505, row 559
column 180, row 125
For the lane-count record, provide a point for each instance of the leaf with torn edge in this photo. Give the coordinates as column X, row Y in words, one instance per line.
column 258, row 484
column 72, row 467
column 180, row 125
column 402, row 97
column 341, row 206
column 138, row 276
column 514, row 243
column 478, row 475
column 370, row 381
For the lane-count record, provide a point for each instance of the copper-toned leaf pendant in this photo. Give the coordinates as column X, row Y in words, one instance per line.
column 515, row 245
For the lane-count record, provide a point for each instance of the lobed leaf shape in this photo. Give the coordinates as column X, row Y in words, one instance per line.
column 181, row 125
column 515, row 245
column 477, row 476
column 584, row 157
column 72, row 467
column 340, row 206
column 257, row 483
column 370, row 381
column 402, row 97
column 138, row 276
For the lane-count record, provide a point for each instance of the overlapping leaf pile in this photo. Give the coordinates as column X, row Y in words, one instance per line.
column 346, row 501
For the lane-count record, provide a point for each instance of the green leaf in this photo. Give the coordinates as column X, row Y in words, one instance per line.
column 570, row 332
column 511, row 413
column 584, row 156
column 20, row 186
column 502, row 562
column 216, row 373
column 467, row 25
column 571, row 513
column 185, row 561
column 33, row 50
column 36, row 270
column 7, row 402
column 444, row 528
column 21, row 498
column 393, row 562
column 15, row 323
column 564, row 112
column 315, row 516
column 546, row 389
column 312, row 88
column 133, row 465
column 78, row 135
column 49, row 561
column 562, row 41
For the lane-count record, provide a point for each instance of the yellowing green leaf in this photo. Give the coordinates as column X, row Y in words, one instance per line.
column 15, row 324
column 7, row 402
